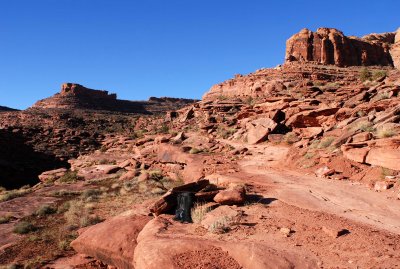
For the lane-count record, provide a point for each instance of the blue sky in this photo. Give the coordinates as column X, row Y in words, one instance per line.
column 139, row 49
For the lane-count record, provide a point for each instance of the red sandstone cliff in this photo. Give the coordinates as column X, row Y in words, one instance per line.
column 331, row 46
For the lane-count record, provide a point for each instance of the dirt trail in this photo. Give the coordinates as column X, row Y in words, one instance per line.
column 265, row 167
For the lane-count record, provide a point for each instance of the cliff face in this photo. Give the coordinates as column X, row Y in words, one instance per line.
column 395, row 50
column 331, row 46
column 75, row 96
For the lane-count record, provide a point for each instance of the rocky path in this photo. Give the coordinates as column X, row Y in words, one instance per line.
column 266, row 168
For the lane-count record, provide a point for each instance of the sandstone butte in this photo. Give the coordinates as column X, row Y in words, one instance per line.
column 295, row 166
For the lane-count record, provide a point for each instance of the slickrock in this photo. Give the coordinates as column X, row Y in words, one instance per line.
column 113, row 241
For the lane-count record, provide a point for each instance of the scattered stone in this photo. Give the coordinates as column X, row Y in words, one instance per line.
column 285, row 231
column 324, row 171
column 333, row 232
column 383, row 185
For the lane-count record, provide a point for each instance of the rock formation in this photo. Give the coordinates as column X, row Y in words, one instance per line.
column 395, row 50
column 75, row 96
column 331, row 46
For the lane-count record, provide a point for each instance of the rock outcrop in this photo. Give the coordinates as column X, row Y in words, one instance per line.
column 395, row 50
column 75, row 96
column 331, row 46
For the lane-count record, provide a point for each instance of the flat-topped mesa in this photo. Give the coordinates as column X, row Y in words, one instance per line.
column 331, row 47
column 79, row 90
column 75, row 96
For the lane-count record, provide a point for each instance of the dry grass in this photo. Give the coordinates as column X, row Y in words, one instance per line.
column 221, row 225
column 325, row 142
column 199, row 211
column 11, row 194
column 194, row 151
column 24, row 227
column 6, row 219
column 385, row 132
column 290, row 138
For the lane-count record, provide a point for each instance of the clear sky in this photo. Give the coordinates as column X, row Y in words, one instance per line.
column 139, row 49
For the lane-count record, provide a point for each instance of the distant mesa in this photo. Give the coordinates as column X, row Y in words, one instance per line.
column 78, row 90
column 4, row 108
column 331, row 47
column 76, row 96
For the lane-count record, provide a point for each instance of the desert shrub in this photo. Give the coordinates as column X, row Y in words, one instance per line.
column 45, row 210
column 309, row 155
column 365, row 74
column 331, row 86
column 378, row 74
column 91, row 194
column 129, row 186
column 64, row 245
column 155, row 175
column 199, row 211
column 225, row 132
column 11, row 194
column 318, row 83
column 74, row 212
column 290, row 138
column 79, row 214
column 326, row 142
column 63, row 208
column 64, row 193
column 69, row 177
column 222, row 97
column 364, row 126
column 250, row 101
column 24, row 227
column 386, row 172
column 6, row 219
column 88, row 220
column 382, row 96
column 385, row 132
column 194, row 151
column 164, row 129
column 221, row 225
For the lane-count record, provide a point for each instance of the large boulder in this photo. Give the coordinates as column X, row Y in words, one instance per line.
column 231, row 196
column 311, row 118
column 259, row 129
column 113, row 241
column 382, row 152
column 169, row 200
